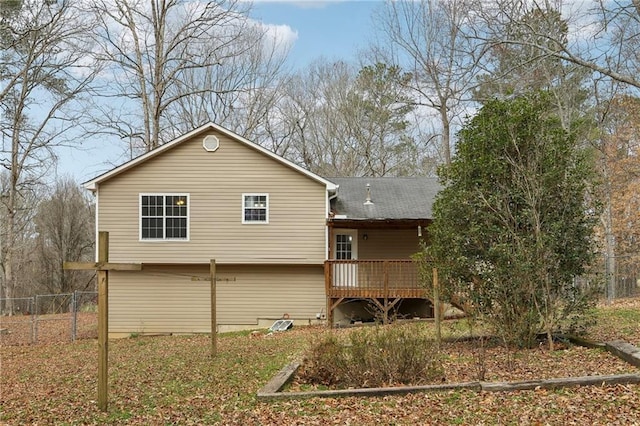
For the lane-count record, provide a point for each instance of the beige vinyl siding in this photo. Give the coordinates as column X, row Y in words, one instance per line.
column 215, row 182
column 387, row 243
column 166, row 300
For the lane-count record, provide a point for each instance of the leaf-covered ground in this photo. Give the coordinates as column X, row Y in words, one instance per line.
column 173, row 380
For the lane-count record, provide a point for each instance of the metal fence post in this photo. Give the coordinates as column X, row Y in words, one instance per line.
column 74, row 315
column 34, row 319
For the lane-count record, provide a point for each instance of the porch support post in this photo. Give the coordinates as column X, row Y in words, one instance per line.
column 385, row 307
column 386, row 292
column 329, row 312
column 332, row 305
column 337, row 302
column 385, row 317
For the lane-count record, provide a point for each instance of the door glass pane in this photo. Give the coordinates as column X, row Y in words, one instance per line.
column 343, row 247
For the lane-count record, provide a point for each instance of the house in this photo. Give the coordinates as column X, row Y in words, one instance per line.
column 375, row 226
column 287, row 242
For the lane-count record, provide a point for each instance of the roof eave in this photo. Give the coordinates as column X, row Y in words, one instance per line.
column 378, row 222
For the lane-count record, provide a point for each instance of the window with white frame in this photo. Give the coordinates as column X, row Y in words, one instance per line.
column 344, row 247
column 164, row 216
column 255, row 208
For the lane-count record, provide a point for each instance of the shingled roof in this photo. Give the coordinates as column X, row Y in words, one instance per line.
column 391, row 198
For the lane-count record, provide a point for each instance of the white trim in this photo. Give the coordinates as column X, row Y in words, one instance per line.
column 327, row 210
column 210, row 137
column 97, row 225
column 164, row 237
column 93, row 183
column 255, row 222
column 353, row 233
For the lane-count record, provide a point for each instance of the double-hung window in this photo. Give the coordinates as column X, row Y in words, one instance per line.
column 164, row 216
column 255, row 208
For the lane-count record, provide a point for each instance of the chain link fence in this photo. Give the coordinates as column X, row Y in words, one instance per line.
column 49, row 318
column 614, row 278
column 626, row 278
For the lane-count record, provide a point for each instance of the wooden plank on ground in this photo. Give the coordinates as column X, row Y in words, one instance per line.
column 561, row 383
column 625, row 351
column 278, row 381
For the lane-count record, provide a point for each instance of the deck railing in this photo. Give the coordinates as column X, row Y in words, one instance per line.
column 372, row 278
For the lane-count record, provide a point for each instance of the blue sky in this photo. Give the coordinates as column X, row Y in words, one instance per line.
column 330, row 29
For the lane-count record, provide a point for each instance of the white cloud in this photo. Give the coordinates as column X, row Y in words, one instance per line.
column 282, row 36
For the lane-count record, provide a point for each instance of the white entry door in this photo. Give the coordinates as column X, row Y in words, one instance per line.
column 345, row 247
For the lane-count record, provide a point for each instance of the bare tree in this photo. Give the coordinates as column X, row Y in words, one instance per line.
column 434, row 41
column 604, row 37
column 64, row 231
column 44, row 71
column 318, row 134
column 153, row 51
column 338, row 121
column 243, row 91
column 16, row 254
column 515, row 69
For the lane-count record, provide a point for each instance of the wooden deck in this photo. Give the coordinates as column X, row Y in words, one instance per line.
column 380, row 279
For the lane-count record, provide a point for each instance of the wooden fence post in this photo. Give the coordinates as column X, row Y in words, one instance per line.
column 103, row 322
column 102, row 267
column 214, row 319
column 436, row 306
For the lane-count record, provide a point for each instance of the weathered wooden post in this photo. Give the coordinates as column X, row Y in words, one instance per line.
column 214, row 319
column 103, row 321
column 436, row 306
column 102, row 267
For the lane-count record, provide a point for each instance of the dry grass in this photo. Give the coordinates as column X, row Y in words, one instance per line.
column 173, row 380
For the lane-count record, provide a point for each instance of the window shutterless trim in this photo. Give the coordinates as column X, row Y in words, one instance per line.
column 266, row 208
column 164, row 196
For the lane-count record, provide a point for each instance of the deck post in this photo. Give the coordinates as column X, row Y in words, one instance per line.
column 329, row 312
column 327, row 288
column 386, row 291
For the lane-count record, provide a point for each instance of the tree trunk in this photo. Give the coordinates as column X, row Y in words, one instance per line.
column 609, row 241
column 9, row 280
column 446, row 134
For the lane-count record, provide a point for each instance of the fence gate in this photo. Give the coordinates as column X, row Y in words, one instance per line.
column 49, row 318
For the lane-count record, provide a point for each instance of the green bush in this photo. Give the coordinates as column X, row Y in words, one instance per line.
column 373, row 357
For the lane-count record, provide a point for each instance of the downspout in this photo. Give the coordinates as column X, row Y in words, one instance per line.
column 97, row 227
column 328, row 236
column 335, row 194
column 327, row 212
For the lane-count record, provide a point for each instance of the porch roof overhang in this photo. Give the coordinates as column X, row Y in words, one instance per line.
column 377, row 223
column 383, row 202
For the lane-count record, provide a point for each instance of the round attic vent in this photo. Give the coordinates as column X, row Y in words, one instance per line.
column 210, row 143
